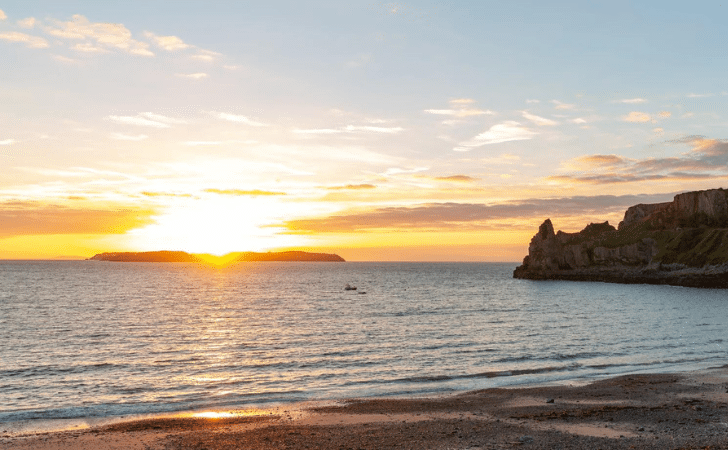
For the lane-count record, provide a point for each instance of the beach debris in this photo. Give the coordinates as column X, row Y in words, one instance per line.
column 551, row 400
column 525, row 439
column 349, row 287
column 362, row 292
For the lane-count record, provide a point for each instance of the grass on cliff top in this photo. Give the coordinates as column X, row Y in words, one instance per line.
column 694, row 247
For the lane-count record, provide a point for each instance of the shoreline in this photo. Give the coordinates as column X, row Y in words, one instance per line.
column 666, row 410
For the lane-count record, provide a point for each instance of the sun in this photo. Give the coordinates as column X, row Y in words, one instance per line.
column 216, row 225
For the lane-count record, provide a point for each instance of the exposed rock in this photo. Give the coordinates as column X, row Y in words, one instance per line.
column 683, row 242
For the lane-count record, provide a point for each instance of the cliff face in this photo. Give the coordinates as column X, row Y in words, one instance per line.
column 683, row 242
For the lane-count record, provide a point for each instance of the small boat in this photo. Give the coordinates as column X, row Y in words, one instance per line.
column 349, row 287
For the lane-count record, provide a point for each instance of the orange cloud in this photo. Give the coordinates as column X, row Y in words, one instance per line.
column 254, row 192
column 457, row 178
column 637, row 117
column 352, row 186
column 707, row 159
column 33, row 218
column 467, row 216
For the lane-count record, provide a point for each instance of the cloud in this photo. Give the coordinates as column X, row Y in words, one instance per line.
column 708, row 158
column 8, row 142
column 561, row 105
column 591, row 161
column 65, row 59
column 238, row 119
column 468, row 215
column 632, row 100
column 457, row 178
column 578, row 120
column 351, row 187
column 161, row 118
column 637, row 117
column 462, row 101
column 700, row 95
column 88, row 47
column 208, row 55
column 254, row 192
column 351, row 129
column 665, row 114
column 28, row 40
column 658, row 130
column 502, row 132
column 27, row 23
column 192, row 76
column 136, row 120
column 533, row 101
column 388, row 130
column 2, row 15
column 127, row 137
column 164, row 194
column 459, row 108
column 200, row 143
column 538, row 120
column 169, row 43
column 35, row 218
column 106, row 35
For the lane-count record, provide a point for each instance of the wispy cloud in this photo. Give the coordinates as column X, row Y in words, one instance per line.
column 350, row 129
column 468, row 215
column 352, row 187
column 665, row 114
column 28, row 40
column 2, row 15
column 203, row 143
column 632, row 100
column 238, row 119
column 165, row 194
column 708, row 158
column 239, row 192
column 637, row 117
column 561, row 105
column 502, row 132
column 700, row 95
column 128, row 137
column 27, row 23
column 137, row 120
column 168, row 43
column 192, row 76
column 459, row 107
column 207, row 55
column 88, row 47
column 457, row 178
column 105, row 35
column 8, row 142
column 538, row 120
column 161, row 118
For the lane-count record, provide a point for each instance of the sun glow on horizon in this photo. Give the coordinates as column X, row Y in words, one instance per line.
column 217, row 226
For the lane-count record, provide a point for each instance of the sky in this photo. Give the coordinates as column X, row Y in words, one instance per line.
column 406, row 131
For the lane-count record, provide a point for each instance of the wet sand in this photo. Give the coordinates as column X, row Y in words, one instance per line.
column 659, row 411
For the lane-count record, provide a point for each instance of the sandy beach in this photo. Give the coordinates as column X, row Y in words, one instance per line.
column 652, row 411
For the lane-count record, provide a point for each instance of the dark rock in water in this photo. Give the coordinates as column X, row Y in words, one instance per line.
column 683, row 242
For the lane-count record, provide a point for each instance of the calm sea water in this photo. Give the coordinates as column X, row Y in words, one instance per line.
column 96, row 339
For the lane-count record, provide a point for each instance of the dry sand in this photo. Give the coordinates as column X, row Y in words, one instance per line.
column 664, row 411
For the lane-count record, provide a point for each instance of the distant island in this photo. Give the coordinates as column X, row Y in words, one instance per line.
column 681, row 243
column 177, row 256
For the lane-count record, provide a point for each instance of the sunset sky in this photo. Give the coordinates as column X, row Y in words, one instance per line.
column 410, row 131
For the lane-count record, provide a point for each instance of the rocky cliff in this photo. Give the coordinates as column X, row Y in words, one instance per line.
column 683, row 242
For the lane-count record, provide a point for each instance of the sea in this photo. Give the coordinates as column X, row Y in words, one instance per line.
column 83, row 342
